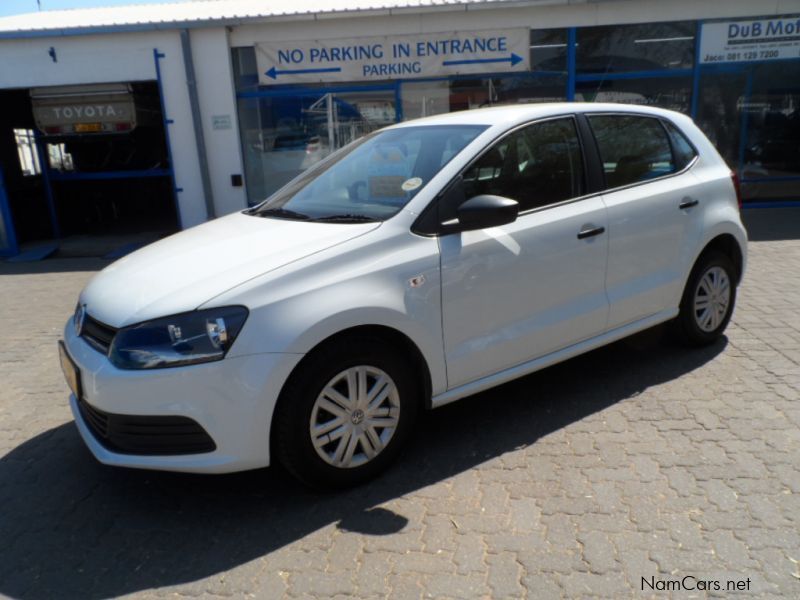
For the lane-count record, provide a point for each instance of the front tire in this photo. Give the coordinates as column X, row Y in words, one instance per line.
column 346, row 412
column 708, row 300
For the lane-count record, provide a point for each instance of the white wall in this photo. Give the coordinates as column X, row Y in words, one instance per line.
column 492, row 16
column 119, row 57
column 212, row 65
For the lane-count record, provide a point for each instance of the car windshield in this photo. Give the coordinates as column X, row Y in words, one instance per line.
column 372, row 178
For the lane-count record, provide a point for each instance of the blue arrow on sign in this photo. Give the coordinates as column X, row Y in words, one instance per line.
column 513, row 59
column 273, row 72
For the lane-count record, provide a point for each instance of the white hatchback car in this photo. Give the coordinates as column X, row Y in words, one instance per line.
column 418, row 265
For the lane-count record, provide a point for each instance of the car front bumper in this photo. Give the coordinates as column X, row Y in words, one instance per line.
column 232, row 400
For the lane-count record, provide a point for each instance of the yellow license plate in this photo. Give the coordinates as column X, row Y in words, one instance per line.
column 88, row 127
column 70, row 370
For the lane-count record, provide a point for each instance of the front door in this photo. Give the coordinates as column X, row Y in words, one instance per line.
column 517, row 292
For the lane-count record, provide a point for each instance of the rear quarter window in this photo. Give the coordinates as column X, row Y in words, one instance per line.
column 632, row 149
column 682, row 150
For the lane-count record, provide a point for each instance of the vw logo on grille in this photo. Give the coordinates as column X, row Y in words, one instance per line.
column 78, row 318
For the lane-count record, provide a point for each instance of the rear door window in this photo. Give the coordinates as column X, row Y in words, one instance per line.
column 633, row 149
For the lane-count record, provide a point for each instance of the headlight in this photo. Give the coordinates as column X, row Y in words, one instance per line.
column 185, row 339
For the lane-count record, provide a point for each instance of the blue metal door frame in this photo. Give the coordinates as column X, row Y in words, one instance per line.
column 11, row 248
column 157, row 56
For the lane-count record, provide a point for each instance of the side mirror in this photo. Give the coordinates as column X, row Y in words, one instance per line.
column 480, row 212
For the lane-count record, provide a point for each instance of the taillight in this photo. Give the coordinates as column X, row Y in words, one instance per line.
column 737, row 186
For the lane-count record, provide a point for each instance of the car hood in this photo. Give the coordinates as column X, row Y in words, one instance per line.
column 181, row 272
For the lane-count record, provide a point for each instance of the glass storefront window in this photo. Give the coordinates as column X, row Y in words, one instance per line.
column 538, row 88
column 673, row 93
column 549, row 50
column 425, row 98
column 718, row 112
column 643, row 47
column 750, row 111
column 771, row 156
column 477, row 93
column 245, row 69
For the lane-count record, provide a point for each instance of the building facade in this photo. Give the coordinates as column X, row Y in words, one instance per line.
column 232, row 99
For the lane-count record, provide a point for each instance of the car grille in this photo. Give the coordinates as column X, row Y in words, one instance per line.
column 98, row 335
column 146, row 435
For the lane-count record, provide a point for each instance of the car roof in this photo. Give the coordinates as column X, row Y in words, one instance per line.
column 520, row 113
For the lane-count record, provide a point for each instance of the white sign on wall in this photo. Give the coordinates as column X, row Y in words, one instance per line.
column 745, row 41
column 221, row 121
column 393, row 57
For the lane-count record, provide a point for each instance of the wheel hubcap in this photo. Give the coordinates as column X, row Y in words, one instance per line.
column 355, row 416
column 711, row 299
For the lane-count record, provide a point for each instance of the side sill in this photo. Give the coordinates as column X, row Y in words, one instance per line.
column 537, row 364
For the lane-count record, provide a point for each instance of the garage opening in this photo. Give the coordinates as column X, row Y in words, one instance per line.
column 87, row 165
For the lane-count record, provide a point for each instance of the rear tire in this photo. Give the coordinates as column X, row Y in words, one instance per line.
column 708, row 300
column 346, row 412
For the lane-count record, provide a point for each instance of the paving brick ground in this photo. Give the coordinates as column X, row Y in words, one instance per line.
column 638, row 460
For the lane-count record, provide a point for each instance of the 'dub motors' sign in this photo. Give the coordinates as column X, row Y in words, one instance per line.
column 745, row 41
column 393, row 57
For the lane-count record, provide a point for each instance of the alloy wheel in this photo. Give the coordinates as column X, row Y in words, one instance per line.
column 355, row 416
column 711, row 299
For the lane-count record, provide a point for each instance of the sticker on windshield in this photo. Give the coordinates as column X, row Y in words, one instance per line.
column 410, row 185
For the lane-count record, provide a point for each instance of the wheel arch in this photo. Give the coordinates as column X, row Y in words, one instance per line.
column 728, row 245
column 393, row 336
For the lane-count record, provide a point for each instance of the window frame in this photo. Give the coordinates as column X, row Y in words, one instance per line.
column 428, row 223
column 661, row 120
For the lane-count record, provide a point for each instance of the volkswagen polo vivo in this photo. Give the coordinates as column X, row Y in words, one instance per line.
column 420, row 264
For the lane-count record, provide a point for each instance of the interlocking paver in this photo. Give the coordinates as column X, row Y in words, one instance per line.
column 636, row 460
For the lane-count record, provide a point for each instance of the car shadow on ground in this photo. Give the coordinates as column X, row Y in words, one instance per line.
column 71, row 527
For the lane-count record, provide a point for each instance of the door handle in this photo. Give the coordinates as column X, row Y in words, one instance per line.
column 688, row 202
column 590, row 231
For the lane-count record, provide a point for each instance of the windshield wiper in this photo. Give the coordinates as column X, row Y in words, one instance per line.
column 282, row 213
column 347, row 218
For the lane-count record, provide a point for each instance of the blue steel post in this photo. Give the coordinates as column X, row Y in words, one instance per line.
column 398, row 103
column 698, row 36
column 44, row 164
column 157, row 56
column 10, row 249
column 571, row 51
column 748, row 91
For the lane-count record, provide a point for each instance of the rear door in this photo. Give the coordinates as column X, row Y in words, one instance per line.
column 652, row 201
